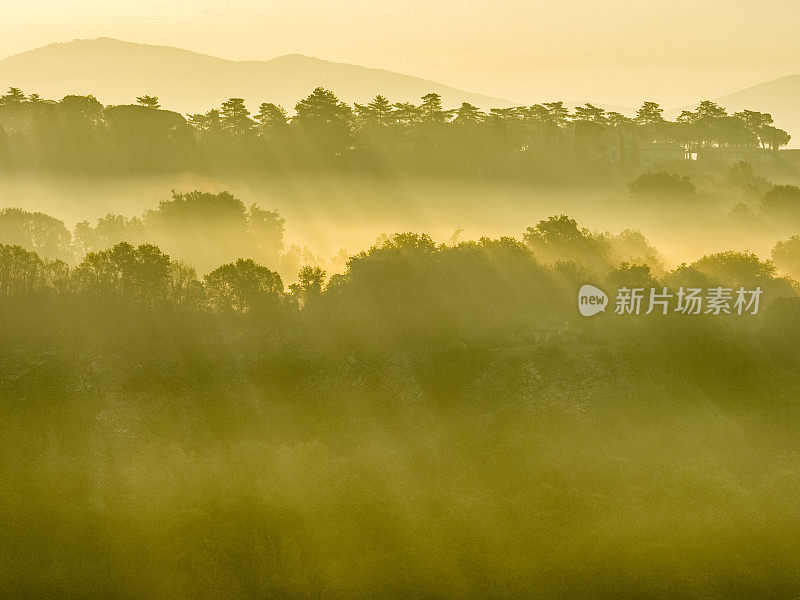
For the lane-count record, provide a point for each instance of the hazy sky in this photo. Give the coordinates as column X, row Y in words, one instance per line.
column 673, row 51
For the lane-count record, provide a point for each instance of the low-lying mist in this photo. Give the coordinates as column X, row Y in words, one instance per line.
column 417, row 417
column 328, row 218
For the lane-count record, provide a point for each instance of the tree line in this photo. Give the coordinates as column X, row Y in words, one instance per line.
column 404, row 287
column 180, row 225
column 228, row 435
column 78, row 134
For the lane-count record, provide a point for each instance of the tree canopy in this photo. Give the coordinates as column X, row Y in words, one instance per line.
column 80, row 134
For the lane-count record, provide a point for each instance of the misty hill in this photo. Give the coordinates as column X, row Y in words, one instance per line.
column 116, row 72
column 779, row 97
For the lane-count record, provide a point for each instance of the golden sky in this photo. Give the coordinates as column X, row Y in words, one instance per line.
column 673, row 51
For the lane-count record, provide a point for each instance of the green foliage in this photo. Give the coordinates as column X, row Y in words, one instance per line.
column 23, row 272
column 649, row 113
column 148, row 101
column 631, row 246
column 144, row 139
column 309, row 285
column 782, row 202
column 323, row 123
column 746, row 269
column 14, row 96
column 661, row 186
column 235, row 118
column 243, row 286
column 35, row 231
column 78, row 134
column 186, row 223
column 271, row 118
column 431, row 407
column 138, row 273
column 559, row 239
column 631, row 276
column 107, row 232
column 786, row 256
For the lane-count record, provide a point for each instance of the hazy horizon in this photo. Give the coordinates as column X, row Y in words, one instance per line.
column 677, row 53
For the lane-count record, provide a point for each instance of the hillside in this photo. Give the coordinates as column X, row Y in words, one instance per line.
column 116, row 72
column 779, row 97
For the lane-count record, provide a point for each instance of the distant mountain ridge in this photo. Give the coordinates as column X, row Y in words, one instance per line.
column 116, row 72
column 779, row 97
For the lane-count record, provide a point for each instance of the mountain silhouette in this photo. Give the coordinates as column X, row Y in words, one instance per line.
column 779, row 97
column 116, row 72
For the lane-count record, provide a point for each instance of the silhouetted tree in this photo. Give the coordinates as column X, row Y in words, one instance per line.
column 139, row 274
column 35, row 231
column 235, row 118
column 661, row 186
column 323, row 123
column 782, row 202
column 148, row 101
column 243, row 286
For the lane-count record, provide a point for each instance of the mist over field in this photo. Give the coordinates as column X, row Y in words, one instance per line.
column 339, row 354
